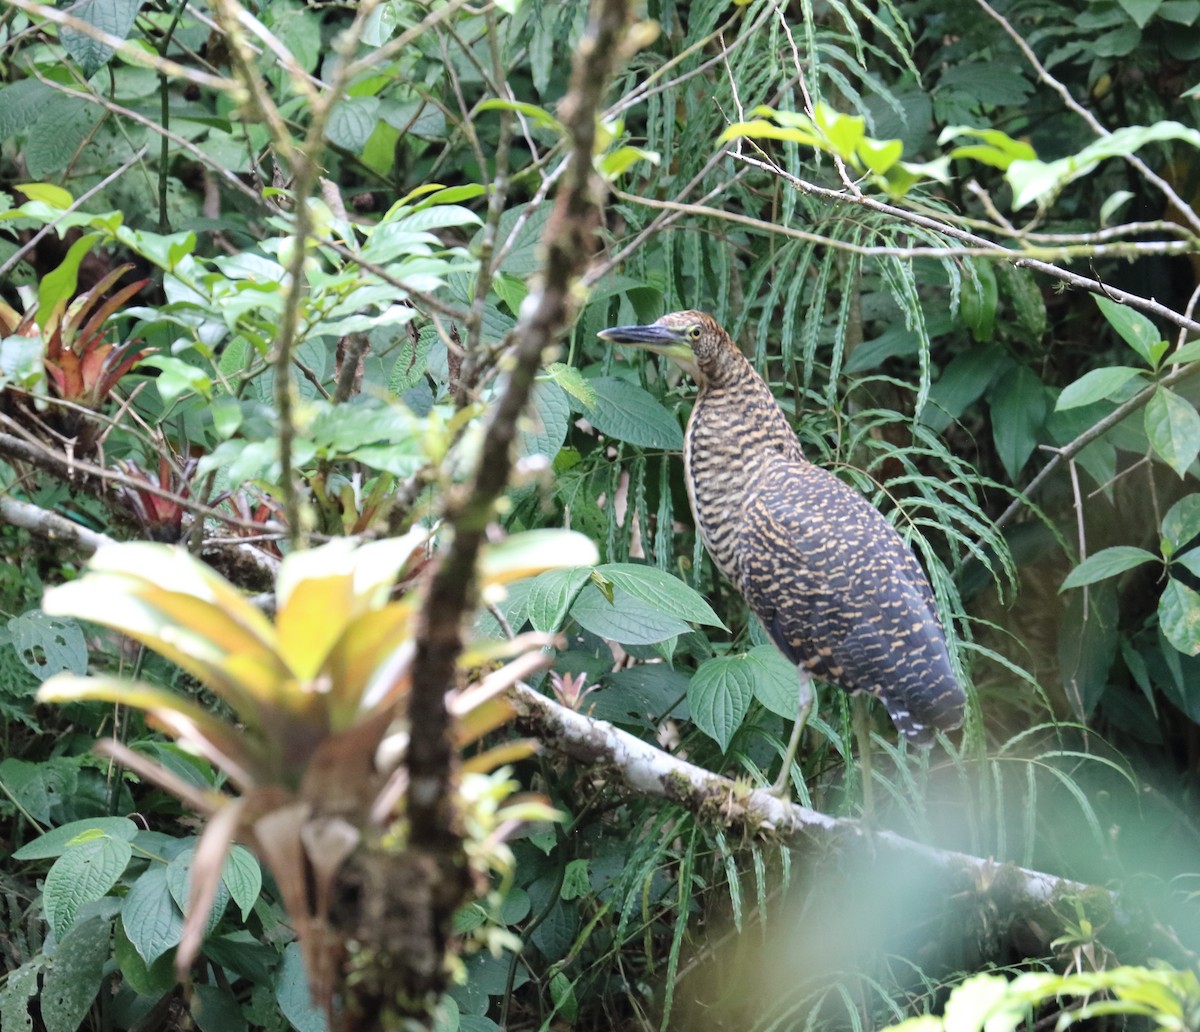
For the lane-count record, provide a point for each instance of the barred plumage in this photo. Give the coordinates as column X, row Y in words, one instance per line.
column 836, row 587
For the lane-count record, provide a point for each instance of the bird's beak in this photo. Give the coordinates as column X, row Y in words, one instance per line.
column 662, row 340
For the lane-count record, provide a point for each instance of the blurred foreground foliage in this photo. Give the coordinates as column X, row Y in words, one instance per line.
column 862, row 193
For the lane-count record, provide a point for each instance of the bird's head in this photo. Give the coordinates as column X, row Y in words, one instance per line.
column 694, row 341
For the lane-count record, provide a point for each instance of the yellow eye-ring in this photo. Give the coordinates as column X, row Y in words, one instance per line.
column 694, row 332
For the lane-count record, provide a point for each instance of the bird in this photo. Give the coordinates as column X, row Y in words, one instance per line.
column 836, row 587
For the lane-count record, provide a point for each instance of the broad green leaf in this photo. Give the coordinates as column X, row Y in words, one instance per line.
column 48, row 645
column 1107, row 563
column 543, row 428
column 41, row 788
column 719, row 695
column 962, row 382
column 551, row 594
column 243, row 878
column 879, row 155
column 627, row 619
column 995, row 148
column 19, row 988
column 1037, row 181
column 979, row 300
column 1141, row 11
column 177, row 377
column 179, row 873
column 75, row 974
column 1018, row 407
column 1134, row 328
column 572, row 381
column 20, row 105
column 114, row 17
column 59, row 284
column 670, row 594
column 216, row 1009
column 1190, row 352
column 575, row 881
column 1179, row 616
column 776, row 680
column 1096, row 385
column 533, row 551
column 1173, row 427
column 152, row 921
column 623, row 159
column 627, row 412
column 55, row 843
column 1181, row 523
column 291, row 992
column 151, row 980
column 351, row 122
column 83, row 874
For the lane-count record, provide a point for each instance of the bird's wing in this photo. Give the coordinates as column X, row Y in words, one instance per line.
column 840, row 593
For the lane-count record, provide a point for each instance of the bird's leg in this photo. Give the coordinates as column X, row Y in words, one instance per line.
column 862, row 731
column 783, row 783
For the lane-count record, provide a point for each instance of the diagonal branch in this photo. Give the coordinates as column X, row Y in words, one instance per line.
column 1015, row 892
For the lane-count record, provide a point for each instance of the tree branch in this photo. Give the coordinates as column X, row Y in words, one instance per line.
column 569, row 240
column 1017, row 892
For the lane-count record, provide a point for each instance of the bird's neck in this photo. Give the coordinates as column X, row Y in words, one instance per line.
column 735, row 430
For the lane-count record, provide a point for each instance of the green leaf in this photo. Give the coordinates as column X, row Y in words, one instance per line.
column 539, row 116
column 776, row 680
column 83, row 874
column 625, row 411
column 1181, row 523
column 75, row 974
column 151, row 980
column 49, row 645
column 544, row 428
column 719, row 695
column 179, row 872
column 1096, row 385
column 575, row 881
column 1141, row 11
column 1189, row 352
column 21, row 105
column 177, row 377
column 1134, row 328
column 1018, row 409
column 963, row 381
column 626, row 619
column 1179, row 616
column 59, row 841
column 291, row 992
column 1107, row 563
column 879, row 155
column 670, row 594
column 216, row 1009
column 351, row 122
column 1038, row 181
column 115, row 17
column 243, row 878
column 152, row 921
column 572, row 381
column 978, row 301
column 19, row 988
column 40, row 788
column 59, row 284
column 1173, row 427
column 550, row 597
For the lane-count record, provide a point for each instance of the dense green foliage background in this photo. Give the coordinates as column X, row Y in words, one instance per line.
column 919, row 321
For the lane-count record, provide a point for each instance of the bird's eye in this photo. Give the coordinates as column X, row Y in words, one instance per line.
column 694, row 332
